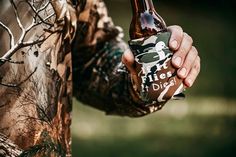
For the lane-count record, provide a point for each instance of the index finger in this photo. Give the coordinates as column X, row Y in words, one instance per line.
column 176, row 36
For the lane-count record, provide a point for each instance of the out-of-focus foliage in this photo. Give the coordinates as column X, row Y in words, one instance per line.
column 202, row 127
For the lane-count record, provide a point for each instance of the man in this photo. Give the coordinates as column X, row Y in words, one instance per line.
column 39, row 42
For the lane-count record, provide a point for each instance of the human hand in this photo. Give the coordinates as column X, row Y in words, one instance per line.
column 185, row 58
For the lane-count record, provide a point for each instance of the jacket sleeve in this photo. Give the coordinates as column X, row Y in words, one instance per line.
column 100, row 79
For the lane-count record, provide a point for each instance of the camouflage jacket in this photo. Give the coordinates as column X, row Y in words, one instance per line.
column 40, row 39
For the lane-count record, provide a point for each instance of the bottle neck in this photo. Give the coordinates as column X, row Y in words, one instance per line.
column 140, row 6
column 145, row 20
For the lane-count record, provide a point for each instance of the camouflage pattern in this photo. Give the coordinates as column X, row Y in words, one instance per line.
column 36, row 77
column 40, row 40
column 157, row 78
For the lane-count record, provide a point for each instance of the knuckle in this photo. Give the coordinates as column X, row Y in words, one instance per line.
column 197, row 67
column 178, row 28
column 199, row 60
column 183, row 50
column 188, row 38
column 175, row 27
column 195, row 50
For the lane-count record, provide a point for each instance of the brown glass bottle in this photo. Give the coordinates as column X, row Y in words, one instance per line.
column 156, row 79
column 145, row 21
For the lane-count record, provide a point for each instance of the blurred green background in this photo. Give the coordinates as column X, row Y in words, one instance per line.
column 202, row 125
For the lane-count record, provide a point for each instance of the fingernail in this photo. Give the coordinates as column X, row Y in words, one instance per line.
column 174, row 44
column 189, row 82
column 177, row 61
column 182, row 72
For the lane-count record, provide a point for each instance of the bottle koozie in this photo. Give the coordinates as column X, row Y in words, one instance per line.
column 157, row 78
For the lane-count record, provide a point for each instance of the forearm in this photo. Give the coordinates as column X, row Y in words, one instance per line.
column 100, row 79
column 104, row 83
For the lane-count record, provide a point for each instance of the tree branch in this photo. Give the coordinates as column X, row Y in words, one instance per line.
column 21, row 43
column 12, row 42
column 17, row 15
column 38, row 11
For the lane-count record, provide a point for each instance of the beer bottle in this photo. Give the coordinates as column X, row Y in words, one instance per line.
column 145, row 21
column 156, row 77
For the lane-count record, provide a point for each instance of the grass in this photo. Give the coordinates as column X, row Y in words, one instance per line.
column 182, row 128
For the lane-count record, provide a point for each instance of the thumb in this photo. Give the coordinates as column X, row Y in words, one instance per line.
column 128, row 60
